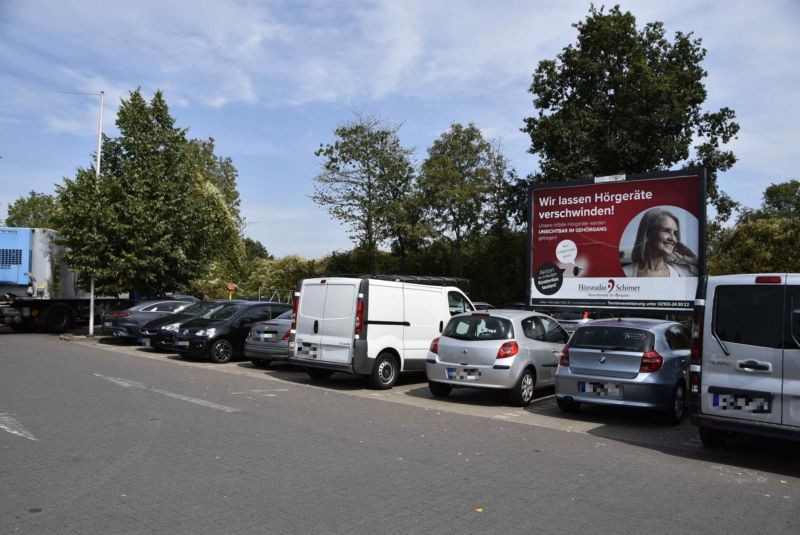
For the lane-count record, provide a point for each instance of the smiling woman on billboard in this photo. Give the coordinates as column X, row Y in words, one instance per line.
column 657, row 250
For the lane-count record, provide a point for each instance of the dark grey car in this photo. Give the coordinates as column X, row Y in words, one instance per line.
column 269, row 340
column 127, row 323
column 630, row 362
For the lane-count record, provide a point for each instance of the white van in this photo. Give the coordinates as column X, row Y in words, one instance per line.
column 370, row 327
column 744, row 372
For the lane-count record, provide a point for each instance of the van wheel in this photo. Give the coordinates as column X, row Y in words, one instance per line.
column 712, row 438
column 221, row 351
column 439, row 390
column 677, row 405
column 568, row 404
column 522, row 393
column 318, row 374
column 261, row 363
column 384, row 374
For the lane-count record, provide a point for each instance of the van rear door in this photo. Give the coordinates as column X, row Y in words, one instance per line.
column 339, row 320
column 743, row 352
column 425, row 316
column 791, row 354
column 309, row 318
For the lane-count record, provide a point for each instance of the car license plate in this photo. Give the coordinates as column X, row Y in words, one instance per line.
column 268, row 336
column 146, row 342
column 465, row 374
column 182, row 343
column 607, row 390
column 107, row 324
column 742, row 403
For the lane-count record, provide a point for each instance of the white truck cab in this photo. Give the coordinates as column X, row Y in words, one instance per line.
column 370, row 326
column 744, row 373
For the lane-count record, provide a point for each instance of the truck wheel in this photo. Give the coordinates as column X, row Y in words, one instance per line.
column 221, row 351
column 59, row 319
column 385, row 372
column 318, row 374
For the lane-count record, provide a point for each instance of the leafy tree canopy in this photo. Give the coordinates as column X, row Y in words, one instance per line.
column 36, row 211
column 163, row 209
column 627, row 100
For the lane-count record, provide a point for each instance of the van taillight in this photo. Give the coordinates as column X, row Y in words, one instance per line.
column 564, row 357
column 508, row 349
column 359, row 316
column 435, row 346
column 651, row 362
column 295, row 308
column 768, row 279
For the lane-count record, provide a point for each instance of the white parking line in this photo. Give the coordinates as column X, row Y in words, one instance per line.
column 7, row 423
column 127, row 383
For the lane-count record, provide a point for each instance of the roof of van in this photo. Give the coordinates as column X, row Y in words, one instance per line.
column 430, row 280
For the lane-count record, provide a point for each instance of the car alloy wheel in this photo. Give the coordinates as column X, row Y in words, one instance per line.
column 221, row 351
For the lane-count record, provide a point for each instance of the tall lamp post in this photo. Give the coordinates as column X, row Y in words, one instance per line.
column 96, row 181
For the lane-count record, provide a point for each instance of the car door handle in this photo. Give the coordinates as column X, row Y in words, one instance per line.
column 753, row 366
column 316, row 326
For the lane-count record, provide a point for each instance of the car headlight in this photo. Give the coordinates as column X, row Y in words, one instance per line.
column 206, row 332
column 173, row 327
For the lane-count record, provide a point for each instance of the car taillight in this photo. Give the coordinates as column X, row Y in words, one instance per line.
column 121, row 314
column 564, row 357
column 359, row 315
column 285, row 336
column 435, row 346
column 651, row 362
column 508, row 349
column 295, row 308
column 250, row 333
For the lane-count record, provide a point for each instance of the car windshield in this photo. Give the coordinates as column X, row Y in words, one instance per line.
column 197, row 309
column 612, row 339
column 223, row 312
column 479, row 327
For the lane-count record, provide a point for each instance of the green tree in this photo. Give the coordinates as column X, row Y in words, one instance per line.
column 156, row 218
column 37, row 210
column 625, row 100
column 455, row 179
column 365, row 172
column 255, row 250
column 762, row 240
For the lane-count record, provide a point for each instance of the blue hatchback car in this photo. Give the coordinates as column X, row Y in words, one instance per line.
column 629, row 362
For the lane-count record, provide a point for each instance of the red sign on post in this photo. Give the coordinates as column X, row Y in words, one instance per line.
column 622, row 242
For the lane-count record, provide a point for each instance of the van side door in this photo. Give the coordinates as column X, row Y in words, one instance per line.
column 743, row 352
column 791, row 354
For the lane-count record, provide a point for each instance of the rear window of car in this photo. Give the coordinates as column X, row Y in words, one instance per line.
column 612, row 339
column 479, row 328
column 285, row 316
column 749, row 315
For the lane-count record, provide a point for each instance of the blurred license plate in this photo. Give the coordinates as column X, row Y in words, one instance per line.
column 182, row 343
column 742, row 403
column 146, row 342
column 610, row 390
column 268, row 335
column 465, row 374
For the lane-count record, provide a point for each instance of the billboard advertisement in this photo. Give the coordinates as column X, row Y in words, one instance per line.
column 622, row 242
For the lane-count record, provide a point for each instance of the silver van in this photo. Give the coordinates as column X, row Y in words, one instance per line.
column 744, row 373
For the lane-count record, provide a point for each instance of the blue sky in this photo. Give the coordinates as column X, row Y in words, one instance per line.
column 270, row 80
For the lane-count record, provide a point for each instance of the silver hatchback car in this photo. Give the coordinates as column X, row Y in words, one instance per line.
column 514, row 350
column 630, row 362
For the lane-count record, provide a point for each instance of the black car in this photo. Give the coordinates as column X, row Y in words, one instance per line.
column 159, row 333
column 220, row 335
column 127, row 323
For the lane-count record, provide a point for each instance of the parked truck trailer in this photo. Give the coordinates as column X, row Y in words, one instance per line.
column 37, row 289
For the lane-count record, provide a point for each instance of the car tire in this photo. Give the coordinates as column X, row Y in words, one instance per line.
column 385, row 372
column 318, row 374
column 221, row 351
column 439, row 390
column 261, row 363
column 568, row 404
column 712, row 438
column 522, row 393
column 59, row 319
column 677, row 405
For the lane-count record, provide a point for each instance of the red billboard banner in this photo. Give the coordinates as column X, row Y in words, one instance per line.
column 618, row 242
